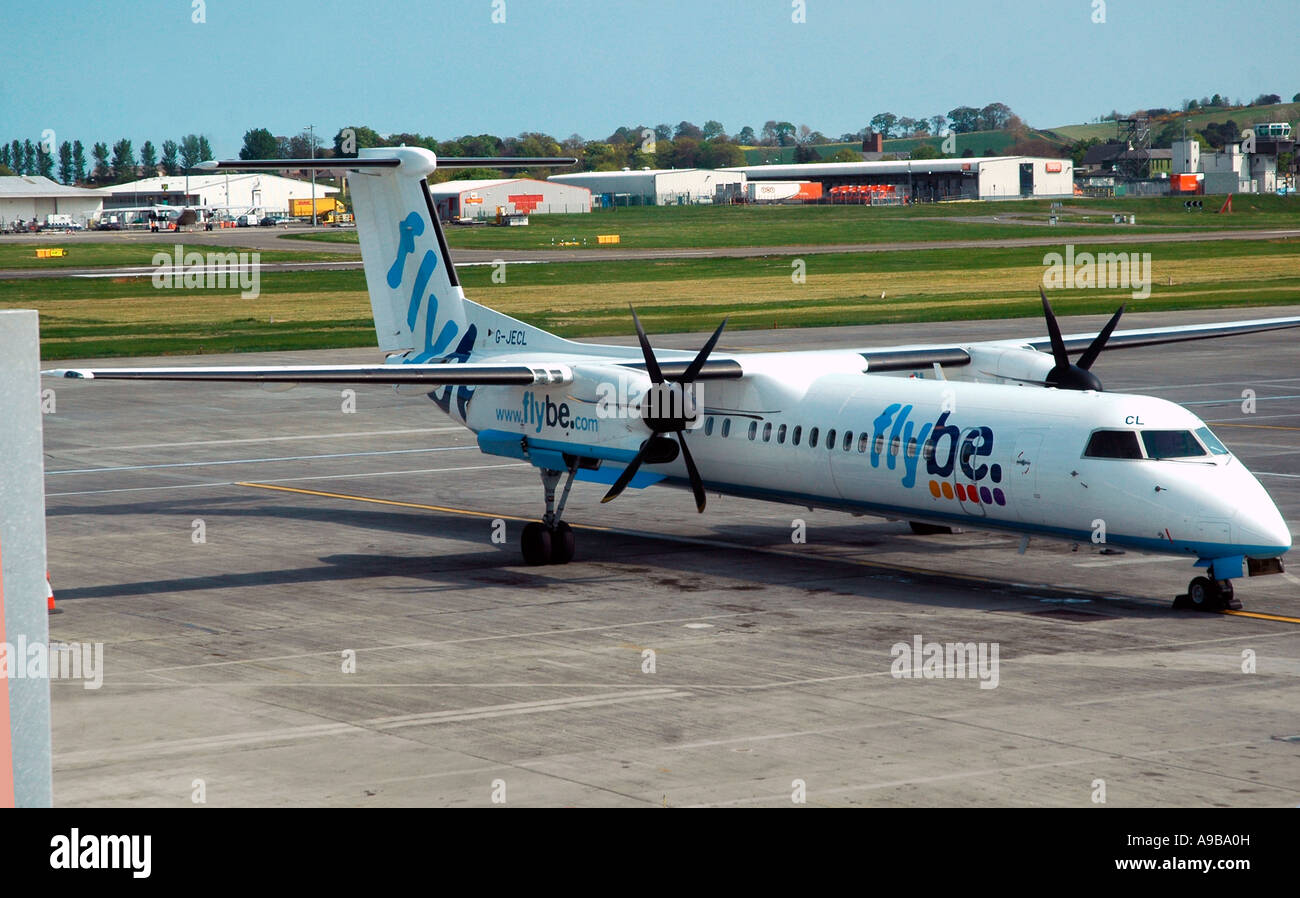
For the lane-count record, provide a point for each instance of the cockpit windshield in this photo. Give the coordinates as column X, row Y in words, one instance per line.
column 1154, row 444
column 1113, row 444
column 1211, row 441
column 1172, row 444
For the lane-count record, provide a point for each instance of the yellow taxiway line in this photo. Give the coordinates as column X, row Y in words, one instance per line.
column 764, row 549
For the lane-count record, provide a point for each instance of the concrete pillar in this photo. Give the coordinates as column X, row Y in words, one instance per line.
column 25, row 773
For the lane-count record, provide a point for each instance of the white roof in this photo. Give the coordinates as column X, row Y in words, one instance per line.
column 453, row 188
column 623, row 173
column 447, row 188
column 831, row 169
column 16, row 186
column 204, row 182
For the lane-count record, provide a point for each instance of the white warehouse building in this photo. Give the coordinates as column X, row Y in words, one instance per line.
column 512, row 196
column 24, row 197
column 977, row 177
column 657, row 186
column 239, row 192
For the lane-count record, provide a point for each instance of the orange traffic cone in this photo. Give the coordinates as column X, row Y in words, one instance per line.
column 49, row 594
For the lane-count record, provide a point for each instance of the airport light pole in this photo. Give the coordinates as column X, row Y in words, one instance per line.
column 311, row 131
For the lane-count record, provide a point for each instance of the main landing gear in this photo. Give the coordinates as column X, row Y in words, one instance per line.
column 1204, row 594
column 550, row 541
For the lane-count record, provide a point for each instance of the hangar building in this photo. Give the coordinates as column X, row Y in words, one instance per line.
column 32, row 197
column 482, row 198
column 238, row 192
column 657, row 186
column 977, row 177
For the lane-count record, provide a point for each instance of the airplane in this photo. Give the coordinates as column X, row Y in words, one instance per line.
column 1002, row 435
column 156, row 216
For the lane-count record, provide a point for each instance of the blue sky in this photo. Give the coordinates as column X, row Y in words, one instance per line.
column 143, row 69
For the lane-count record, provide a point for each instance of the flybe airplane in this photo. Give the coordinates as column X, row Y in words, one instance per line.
column 1004, row 435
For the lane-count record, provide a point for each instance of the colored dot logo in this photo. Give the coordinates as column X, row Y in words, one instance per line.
column 976, row 495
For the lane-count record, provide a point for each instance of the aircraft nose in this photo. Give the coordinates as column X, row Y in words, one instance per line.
column 1262, row 526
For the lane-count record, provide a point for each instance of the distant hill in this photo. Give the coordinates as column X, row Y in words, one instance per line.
column 1196, row 120
column 978, row 142
column 999, row 142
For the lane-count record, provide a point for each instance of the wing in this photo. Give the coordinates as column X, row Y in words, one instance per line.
column 1153, row 336
column 470, row 374
column 429, row 374
column 911, row 358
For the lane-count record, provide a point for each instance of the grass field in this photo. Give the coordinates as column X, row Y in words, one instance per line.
column 306, row 310
column 85, row 254
column 660, row 227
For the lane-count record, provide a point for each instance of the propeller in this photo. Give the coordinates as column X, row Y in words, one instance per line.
column 1074, row 376
column 663, row 411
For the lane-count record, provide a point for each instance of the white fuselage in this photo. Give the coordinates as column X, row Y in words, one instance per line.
column 938, row 451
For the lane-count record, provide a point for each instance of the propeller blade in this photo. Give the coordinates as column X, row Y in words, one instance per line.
column 628, row 473
column 651, row 363
column 1099, row 343
column 1059, row 354
column 691, row 372
column 697, row 484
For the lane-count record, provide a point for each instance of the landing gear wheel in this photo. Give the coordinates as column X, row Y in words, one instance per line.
column 535, row 542
column 1204, row 594
column 562, row 544
column 1225, row 596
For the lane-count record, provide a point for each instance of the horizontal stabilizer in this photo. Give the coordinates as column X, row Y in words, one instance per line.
column 357, row 164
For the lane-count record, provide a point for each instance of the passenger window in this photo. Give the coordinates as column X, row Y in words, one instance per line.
column 894, row 445
column 911, row 448
column 812, row 438
column 848, row 440
column 794, row 437
column 927, row 451
column 1211, row 441
column 753, row 429
column 880, row 444
column 863, row 441
column 726, row 427
column 830, row 438
column 767, row 432
column 1113, row 444
column 780, row 434
column 708, row 426
column 1171, row 444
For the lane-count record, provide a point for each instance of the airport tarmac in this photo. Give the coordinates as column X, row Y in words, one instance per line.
column 330, row 536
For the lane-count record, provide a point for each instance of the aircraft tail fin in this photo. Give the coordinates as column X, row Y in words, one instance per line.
column 419, row 308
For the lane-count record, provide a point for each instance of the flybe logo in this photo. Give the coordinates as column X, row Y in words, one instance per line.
column 538, row 412
column 954, row 462
column 408, row 229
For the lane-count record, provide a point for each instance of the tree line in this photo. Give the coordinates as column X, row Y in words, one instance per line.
column 116, row 165
column 684, row 145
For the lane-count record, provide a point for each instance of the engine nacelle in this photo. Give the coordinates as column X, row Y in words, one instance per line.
column 1008, row 365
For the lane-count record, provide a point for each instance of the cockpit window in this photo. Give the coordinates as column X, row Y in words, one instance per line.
column 1211, row 441
column 1171, row 444
column 1113, row 444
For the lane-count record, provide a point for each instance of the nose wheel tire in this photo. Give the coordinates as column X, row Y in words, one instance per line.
column 1204, row 594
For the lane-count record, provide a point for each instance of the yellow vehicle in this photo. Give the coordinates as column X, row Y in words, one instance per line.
column 328, row 210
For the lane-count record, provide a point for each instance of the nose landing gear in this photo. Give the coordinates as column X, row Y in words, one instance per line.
column 1204, row 594
column 550, row 541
